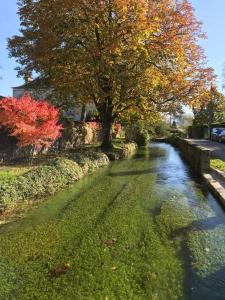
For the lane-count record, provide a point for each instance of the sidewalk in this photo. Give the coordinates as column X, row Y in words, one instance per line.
column 217, row 149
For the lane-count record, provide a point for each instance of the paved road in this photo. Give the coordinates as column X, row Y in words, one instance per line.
column 217, row 149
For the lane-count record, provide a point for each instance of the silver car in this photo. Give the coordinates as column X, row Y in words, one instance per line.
column 221, row 136
column 215, row 133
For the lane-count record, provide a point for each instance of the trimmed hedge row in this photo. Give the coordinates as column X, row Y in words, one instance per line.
column 125, row 150
column 129, row 149
column 89, row 161
column 48, row 179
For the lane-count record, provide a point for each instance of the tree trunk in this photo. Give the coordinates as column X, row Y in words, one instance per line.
column 31, row 158
column 106, row 113
column 107, row 134
column 83, row 113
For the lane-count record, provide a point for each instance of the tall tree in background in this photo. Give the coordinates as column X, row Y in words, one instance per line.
column 121, row 54
column 213, row 111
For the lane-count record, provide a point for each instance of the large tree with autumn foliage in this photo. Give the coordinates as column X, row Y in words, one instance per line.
column 211, row 111
column 121, row 54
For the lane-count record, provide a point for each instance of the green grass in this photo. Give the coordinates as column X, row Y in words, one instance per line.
column 218, row 164
column 8, row 173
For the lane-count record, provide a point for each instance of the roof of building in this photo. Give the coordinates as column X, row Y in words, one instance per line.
column 32, row 84
column 20, row 86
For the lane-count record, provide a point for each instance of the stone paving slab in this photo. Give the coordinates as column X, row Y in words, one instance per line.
column 216, row 185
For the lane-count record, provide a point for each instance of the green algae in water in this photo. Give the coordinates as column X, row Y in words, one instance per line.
column 121, row 236
column 138, row 265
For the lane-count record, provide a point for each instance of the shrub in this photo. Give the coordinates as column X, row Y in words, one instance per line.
column 142, row 138
column 90, row 161
column 48, row 179
column 161, row 129
column 129, row 149
column 33, row 123
column 137, row 135
column 40, row 181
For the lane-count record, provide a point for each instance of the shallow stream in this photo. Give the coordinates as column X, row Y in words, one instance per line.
column 143, row 228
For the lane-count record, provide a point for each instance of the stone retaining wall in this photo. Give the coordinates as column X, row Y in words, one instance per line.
column 197, row 157
column 199, row 160
column 78, row 134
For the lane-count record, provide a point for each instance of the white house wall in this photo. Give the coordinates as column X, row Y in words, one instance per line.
column 40, row 94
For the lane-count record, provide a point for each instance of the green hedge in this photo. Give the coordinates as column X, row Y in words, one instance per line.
column 89, row 161
column 142, row 138
column 48, row 179
column 129, row 149
column 137, row 134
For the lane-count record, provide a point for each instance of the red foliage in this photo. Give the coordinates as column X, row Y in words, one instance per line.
column 94, row 125
column 117, row 128
column 31, row 122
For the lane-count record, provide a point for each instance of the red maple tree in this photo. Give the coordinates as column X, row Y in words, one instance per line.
column 33, row 123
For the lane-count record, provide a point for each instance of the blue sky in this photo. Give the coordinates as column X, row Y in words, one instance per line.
column 211, row 13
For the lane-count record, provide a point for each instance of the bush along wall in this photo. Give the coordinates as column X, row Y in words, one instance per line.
column 128, row 149
column 89, row 161
column 48, row 179
column 137, row 134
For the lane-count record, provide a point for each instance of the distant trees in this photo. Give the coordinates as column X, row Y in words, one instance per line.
column 122, row 54
column 212, row 111
column 33, row 123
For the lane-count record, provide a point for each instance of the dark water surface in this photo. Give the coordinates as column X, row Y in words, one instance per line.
column 144, row 228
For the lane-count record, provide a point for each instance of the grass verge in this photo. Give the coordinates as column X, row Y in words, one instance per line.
column 218, row 164
column 8, row 173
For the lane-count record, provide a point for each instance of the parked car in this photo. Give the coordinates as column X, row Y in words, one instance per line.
column 221, row 137
column 215, row 133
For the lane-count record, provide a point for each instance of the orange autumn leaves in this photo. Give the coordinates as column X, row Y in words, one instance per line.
column 121, row 54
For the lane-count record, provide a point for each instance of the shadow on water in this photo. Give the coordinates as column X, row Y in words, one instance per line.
column 174, row 175
column 215, row 279
column 211, row 287
column 201, row 225
column 133, row 172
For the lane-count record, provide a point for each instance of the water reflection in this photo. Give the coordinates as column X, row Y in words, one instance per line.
column 207, row 233
column 170, row 167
